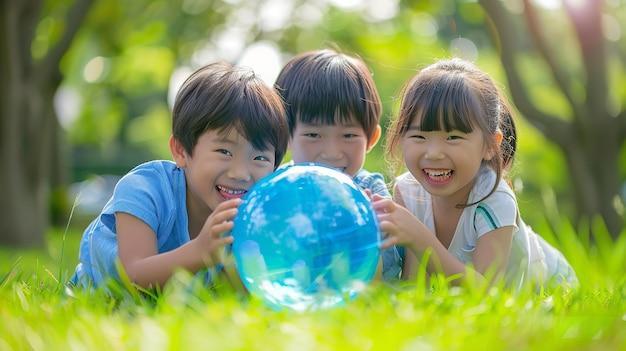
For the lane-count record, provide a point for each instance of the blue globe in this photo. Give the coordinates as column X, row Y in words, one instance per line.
column 306, row 238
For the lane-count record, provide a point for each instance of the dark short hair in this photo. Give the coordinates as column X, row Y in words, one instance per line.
column 220, row 96
column 328, row 87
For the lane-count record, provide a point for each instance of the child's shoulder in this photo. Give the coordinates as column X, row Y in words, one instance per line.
column 153, row 167
column 153, row 173
column 502, row 198
column 485, row 181
column 154, row 182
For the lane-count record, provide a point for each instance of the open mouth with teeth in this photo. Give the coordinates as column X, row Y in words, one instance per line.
column 438, row 175
column 231, row 193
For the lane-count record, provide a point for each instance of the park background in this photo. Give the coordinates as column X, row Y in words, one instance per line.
column 85, row 95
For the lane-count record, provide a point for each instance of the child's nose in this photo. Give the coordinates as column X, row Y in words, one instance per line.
column 239, row 171
column 435, row 151
column 331, row 150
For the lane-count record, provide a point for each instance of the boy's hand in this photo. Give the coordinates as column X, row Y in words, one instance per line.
column 210, row 239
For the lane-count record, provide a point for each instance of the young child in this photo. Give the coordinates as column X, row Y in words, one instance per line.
column 229, row 131
column 333, row 111
column 457, row 140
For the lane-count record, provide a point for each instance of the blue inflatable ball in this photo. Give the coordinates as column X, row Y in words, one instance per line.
column 306, row 238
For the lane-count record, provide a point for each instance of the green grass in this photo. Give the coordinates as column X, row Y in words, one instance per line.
column 37, row 314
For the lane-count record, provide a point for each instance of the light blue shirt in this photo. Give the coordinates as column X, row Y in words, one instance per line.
column 154, row 192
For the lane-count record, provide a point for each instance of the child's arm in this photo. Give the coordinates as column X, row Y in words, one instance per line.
column 138, row 251
column 492, row 252
column 406, row 230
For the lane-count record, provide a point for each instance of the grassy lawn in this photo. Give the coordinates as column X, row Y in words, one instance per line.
column 36, row 313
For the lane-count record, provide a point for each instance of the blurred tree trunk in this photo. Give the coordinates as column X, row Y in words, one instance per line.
column 29, row 129
column 589, row 135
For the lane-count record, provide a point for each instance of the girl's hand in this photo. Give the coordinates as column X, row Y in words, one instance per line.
column 210, row 239
column 400, row 226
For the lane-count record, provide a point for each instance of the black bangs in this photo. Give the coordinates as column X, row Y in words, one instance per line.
column 258, row 120
column 329, row 97
column 448, row 105
column 327, row 87
column 256, row 115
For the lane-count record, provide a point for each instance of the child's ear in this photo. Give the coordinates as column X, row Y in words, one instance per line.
column 490, row 153
column 374, row 139
column 178, row 152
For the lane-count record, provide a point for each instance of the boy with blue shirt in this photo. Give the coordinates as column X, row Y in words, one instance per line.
column 333, row 111
column 229, row 131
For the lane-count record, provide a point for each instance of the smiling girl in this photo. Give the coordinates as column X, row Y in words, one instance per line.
column 455, row 134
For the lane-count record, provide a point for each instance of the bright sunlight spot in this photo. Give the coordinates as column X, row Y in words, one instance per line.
column 264, row 58
column 346, row 4
column 94, row 69
column 275, row 14
column 548, row 4
column 611, row 28
column 176, row 80
column 307, row 15
column 67, row 103
column 382, row 10
column 424, row 25
column 464, row 48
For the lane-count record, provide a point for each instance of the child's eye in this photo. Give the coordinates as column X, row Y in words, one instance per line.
column 262, row 158
column 224, row 152
column 415, row 136
column 312, row 135
column 455, row 137
column 349, row 136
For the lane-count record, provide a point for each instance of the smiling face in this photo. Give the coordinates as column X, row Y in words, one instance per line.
column 452, row 119
column 223, row 166
column 445, row 162
column 342, row 145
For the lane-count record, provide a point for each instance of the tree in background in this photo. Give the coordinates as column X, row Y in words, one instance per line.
column 31, row 152
column 589, row 121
